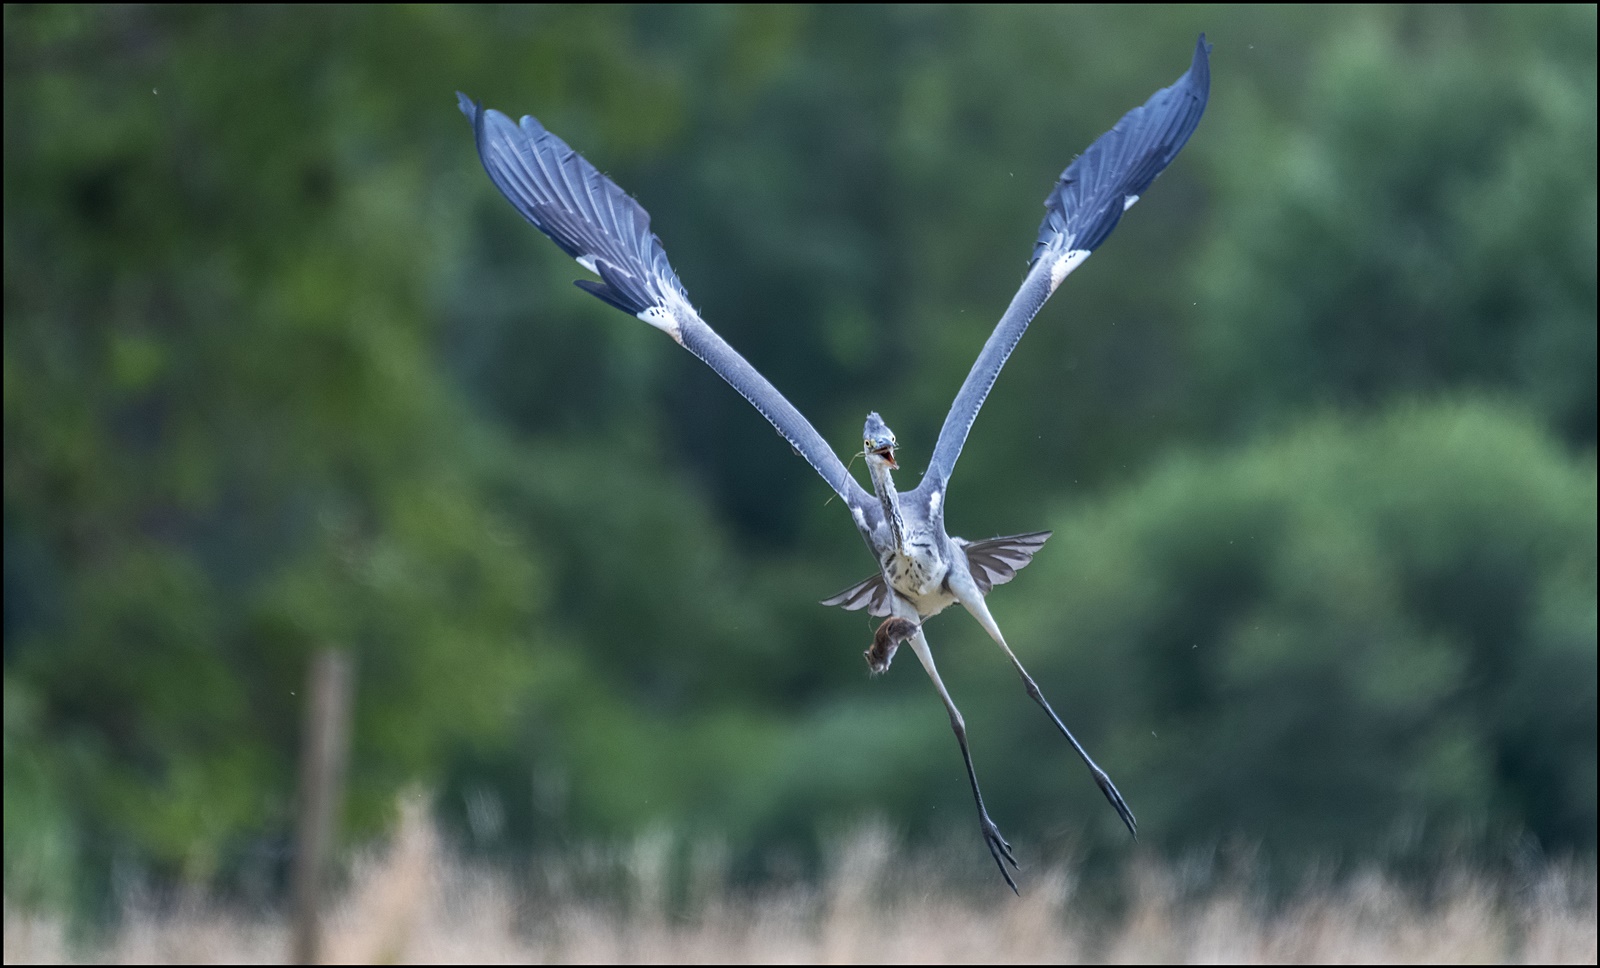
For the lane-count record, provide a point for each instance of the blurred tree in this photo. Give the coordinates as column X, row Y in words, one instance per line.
column 1364, row 638
column 1423, row 220
column 226, row 444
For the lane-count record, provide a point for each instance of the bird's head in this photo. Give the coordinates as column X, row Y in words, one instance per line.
column 877, row 442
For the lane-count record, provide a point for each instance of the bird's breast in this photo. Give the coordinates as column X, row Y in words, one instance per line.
column 917, row 572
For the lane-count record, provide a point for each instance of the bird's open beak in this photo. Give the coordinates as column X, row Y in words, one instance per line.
column 887, row 453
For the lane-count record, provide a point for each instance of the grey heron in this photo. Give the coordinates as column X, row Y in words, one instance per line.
column 922, row 569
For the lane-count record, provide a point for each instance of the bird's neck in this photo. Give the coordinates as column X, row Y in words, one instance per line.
column 890, row 498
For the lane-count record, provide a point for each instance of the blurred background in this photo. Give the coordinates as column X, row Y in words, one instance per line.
column 1315, row 431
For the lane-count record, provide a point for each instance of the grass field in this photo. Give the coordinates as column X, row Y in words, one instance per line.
column 411, row 902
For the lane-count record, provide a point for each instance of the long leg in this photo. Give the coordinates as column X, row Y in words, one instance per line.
column 998, row 848
column 972, row 599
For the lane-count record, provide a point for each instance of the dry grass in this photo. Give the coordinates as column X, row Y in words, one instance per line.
column 412, row 903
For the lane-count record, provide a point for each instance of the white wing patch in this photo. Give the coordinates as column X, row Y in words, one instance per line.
column 1127, row 203
column 860, row 518
column 662, row 318
column 933, row 503
column 587, row 261
column 1065, row 265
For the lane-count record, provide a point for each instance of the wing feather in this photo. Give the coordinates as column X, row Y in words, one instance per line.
column 1080, row 212
column 993, row 561
column 595, row 222
column 996, row 561
column 1095, row 189
column 871, row 594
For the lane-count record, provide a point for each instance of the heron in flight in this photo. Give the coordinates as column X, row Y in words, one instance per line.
column 922, row 569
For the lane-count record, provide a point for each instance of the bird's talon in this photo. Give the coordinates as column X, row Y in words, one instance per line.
column 1000, row 850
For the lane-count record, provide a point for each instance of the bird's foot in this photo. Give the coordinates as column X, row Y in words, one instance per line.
column 1121, row 805
column 998, row 849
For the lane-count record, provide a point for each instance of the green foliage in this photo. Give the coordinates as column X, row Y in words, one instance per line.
column 40, row 839
column 1360, row 637
column 1426, row 220
column 227, row 447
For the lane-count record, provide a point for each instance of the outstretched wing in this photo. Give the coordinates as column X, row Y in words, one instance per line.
column 993, row 561
column 872, row 595
column 1085, row 206
column 996, row 561
column 602, row 227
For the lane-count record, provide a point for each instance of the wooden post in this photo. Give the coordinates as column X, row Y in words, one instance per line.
column 323, row 751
